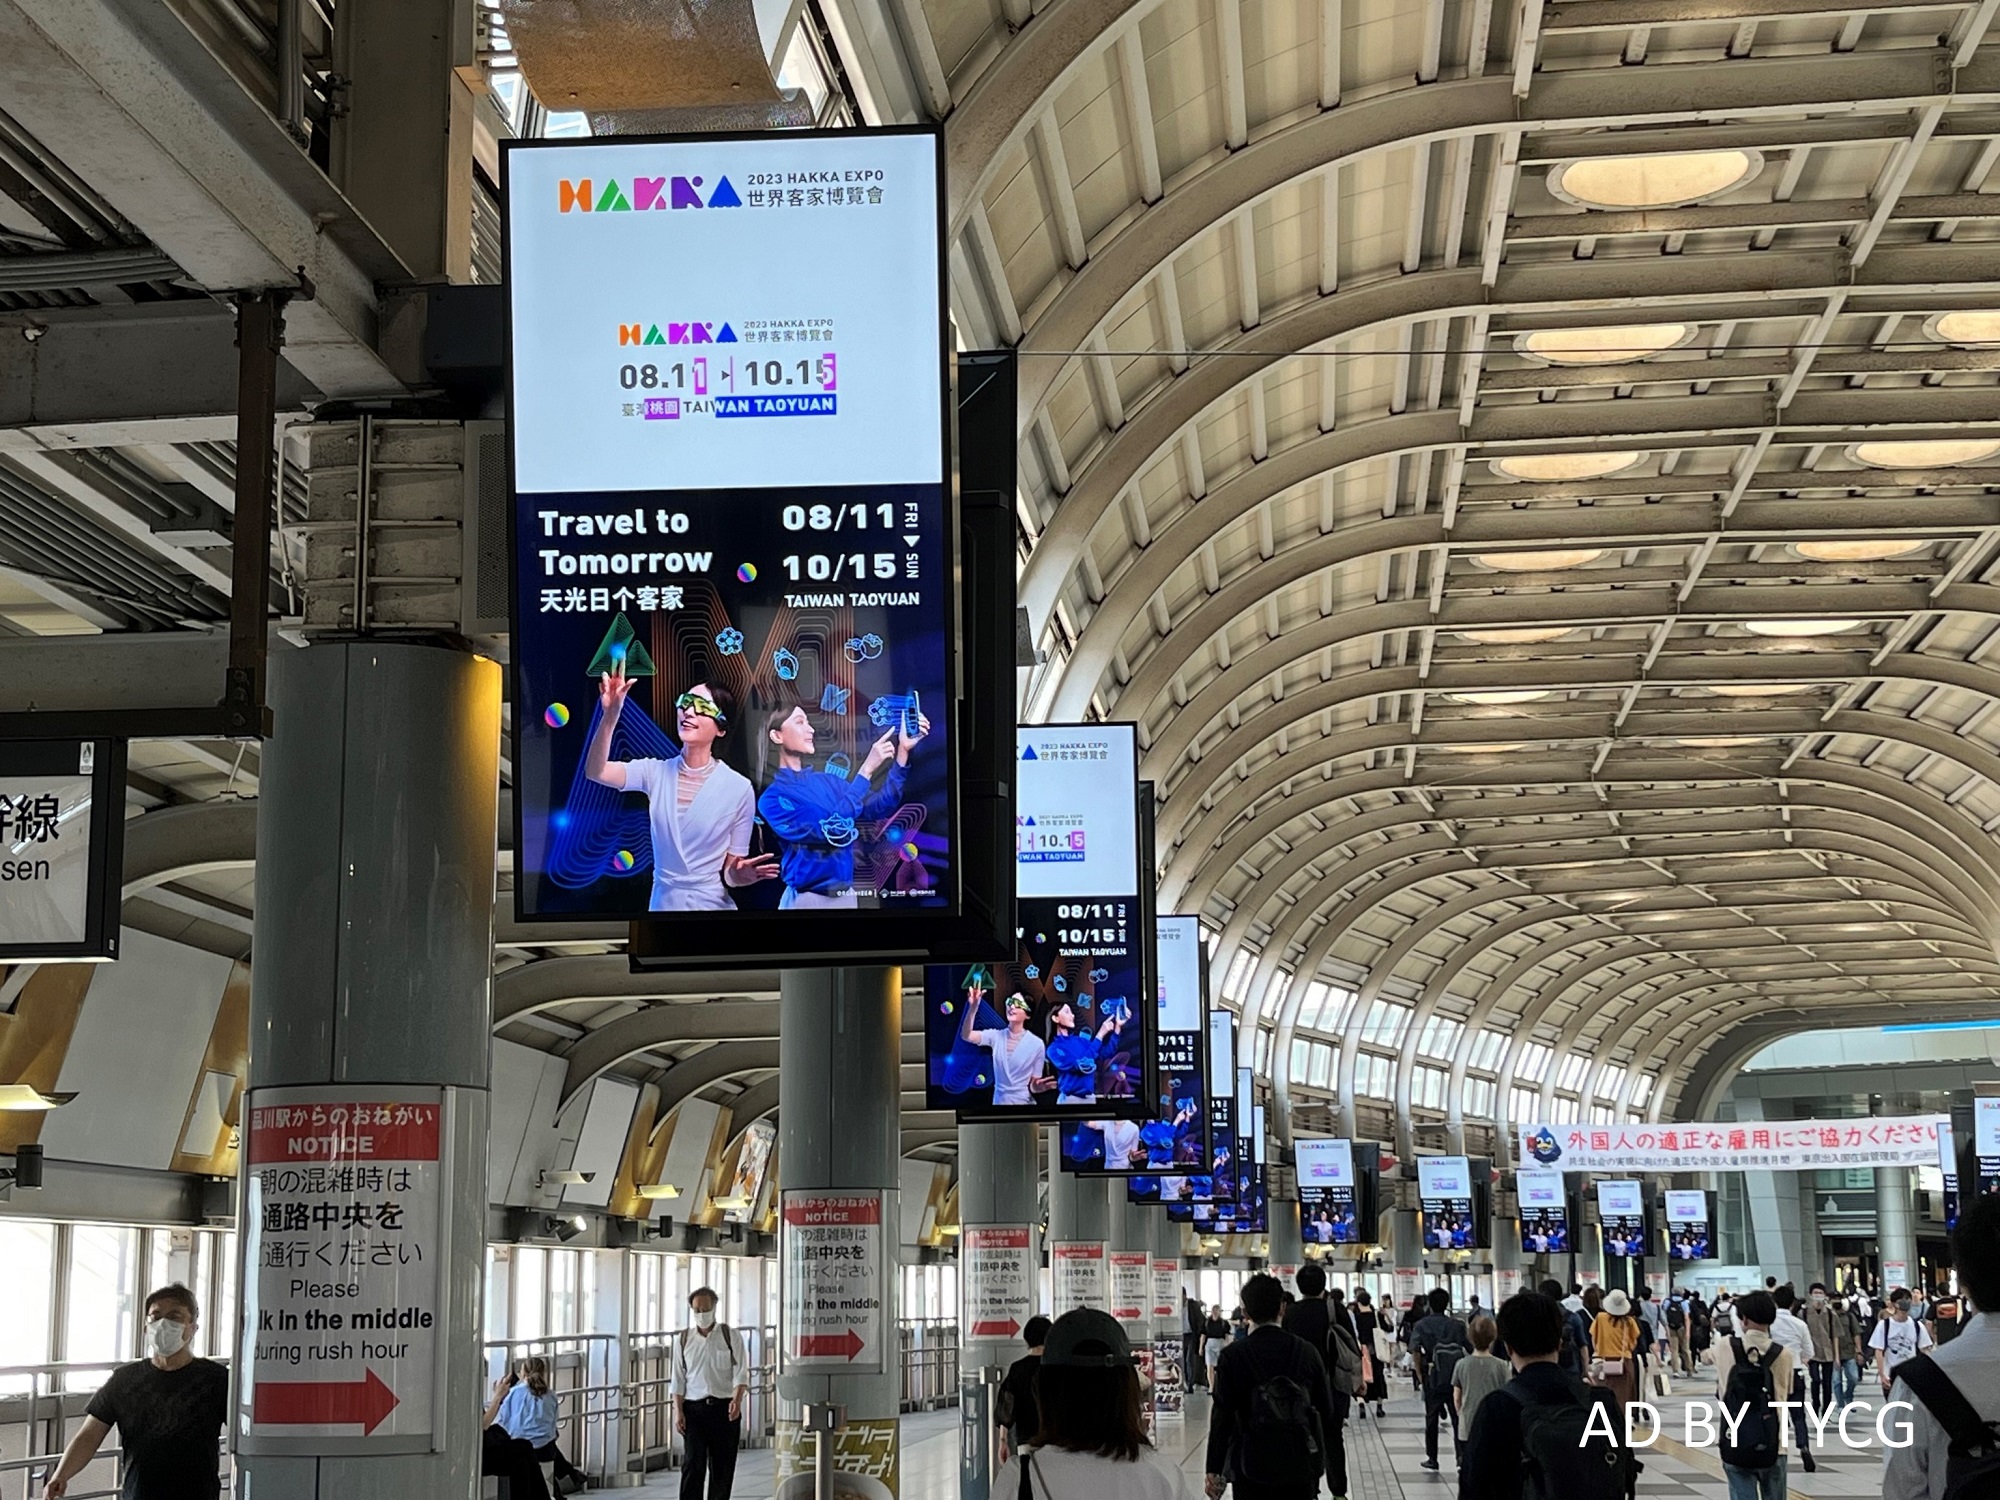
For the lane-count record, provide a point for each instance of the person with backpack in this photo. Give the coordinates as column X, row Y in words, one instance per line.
column 1679, row 1346
column 1544, row 1435
column 1701, row 1331
column 1898, row 1337
column 1438, row 1341
column 1573, row 1352
column 1476, row 1377
column 1751, row 1370
column 711, row 1376
column 1312, row 1318
column 1016, row 1410
column 1954, row 1391
column 1271, row 1410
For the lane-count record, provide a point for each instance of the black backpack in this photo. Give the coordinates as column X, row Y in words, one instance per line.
column 1438, row 1367
column 1561, row 1459
column 1749, row 1393
column 1569, row 1354
column 1280, row 1446
column 1973, row 1470
column 1677, row 1317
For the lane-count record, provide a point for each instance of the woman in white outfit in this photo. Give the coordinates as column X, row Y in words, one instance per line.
column 1017, row 1051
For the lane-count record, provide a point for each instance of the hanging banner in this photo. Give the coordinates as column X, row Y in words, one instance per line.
column 344, row 1235
column 833, row 1269
column 1766, row 1146
column 996, row 1280
column 1131, row 1286
column 1078, row 1273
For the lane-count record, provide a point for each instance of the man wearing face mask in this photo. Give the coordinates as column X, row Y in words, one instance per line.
column 168, row 1408
column 710, row 1381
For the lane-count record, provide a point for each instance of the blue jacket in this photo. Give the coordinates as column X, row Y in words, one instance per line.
column 812, row 813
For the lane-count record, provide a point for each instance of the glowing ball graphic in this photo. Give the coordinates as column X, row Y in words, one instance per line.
column 910, row 851
column 947, row 1007
column 746, row 573
column 556, row 715
column 622, row 861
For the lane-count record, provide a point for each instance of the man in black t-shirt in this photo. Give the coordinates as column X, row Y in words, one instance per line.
column 1018, row 1412
column 168, row 1408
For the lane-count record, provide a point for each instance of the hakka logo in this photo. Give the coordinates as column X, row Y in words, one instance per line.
column 677, row 333
column 647, row 192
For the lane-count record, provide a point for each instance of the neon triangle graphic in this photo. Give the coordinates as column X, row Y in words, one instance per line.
column 726, row 336
column 653, row 335
column 1029, row 754
column 613, row 200
column 621, row 650
column 724, row 195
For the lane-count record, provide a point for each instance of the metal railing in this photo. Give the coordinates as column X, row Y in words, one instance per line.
column 929, row 1348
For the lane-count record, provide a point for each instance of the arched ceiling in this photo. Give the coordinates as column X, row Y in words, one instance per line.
column 1273, row 268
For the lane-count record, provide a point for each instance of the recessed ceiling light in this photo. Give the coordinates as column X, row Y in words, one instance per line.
column 1718, row 741
column 1858, row 551
column 1939, row 454
column 1603, row 346
column 1540, row 562
column 1967, row 329
column 1799, row 629
column 1560, row 468
column 1533, row 635
column 1667, row 180
column 1494, row 697
column 1758, row 689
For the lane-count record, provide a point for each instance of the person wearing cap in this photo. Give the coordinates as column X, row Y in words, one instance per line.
column 1091, row 1441
column 1017, row 1051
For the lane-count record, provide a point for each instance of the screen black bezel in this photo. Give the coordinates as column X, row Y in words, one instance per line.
column 104, row 895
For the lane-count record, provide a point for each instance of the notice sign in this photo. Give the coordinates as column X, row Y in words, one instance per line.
column 996, row 1280
column 830, row 1259
column 1076, row 1267
column 343, row 1241
column 1166, row 1293
column 1131, row 1285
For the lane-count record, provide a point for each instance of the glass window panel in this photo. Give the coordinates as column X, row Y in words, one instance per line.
column 1239, row 971
column 1643, row 1090
column 101, row 1317
column 1263, row 1066
column 1614, row 1080
column 563, row 1311
column 530, row 1293
column 1573, row 1068
column 27, row 1250
column 1274, row 997
column 1534, row 1064
column 1524, row 1104
column 1486, row 1049
column 1427, row 1087
column 1321, row 1074
column 801, row 69
column 1314, row 1001
column 1301, row 1057
column 1478, row 1097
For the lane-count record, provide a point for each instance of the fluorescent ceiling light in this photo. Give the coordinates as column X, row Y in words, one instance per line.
column 1495, row 697
column 1799, row 629
column 1539, row 562
column 1758, row 689
column 1717, row 741
column 734, row 1200
column 1665, row 180
column 1858, row 551
column 1533, row 635
column 1966, row 329
column 1603, row 346
column 566, row 1179
column 25, row 1096
column 1562, row 468
column 1940, row 454
column 658, row 1190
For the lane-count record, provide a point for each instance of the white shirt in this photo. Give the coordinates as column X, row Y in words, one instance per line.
column 1059, row 1475
column 1121, row 1139
column 1972, row 1360
column 688, row 843
column 707, row 1367
column 1016, row 1063
column 1791, row 1334
column 1900, row 1341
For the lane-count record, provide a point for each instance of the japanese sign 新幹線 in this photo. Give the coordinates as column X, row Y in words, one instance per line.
column 59, row 875
column 344, row 1240
column 831, row 1265
column 996, row 1279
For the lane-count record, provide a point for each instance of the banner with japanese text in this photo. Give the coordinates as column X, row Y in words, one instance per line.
column 1752, row 1146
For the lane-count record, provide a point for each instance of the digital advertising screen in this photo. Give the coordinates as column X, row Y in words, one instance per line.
column 1949, row 1164
column 1986, row 1142
column 1249, row 1214
column 1621, row 1215
column 1544, row 1212
column 1176, row 1137
column 1069, row 1028
column 1329, row 1203
column 1444, row 1193
column 1690, row 1225
column 734, row 606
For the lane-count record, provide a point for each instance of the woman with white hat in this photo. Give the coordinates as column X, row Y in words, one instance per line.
column 1619, row 1340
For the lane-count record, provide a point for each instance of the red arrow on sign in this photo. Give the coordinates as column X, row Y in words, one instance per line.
column 996, row 1328
column 328, row 1403
column 820, row 1345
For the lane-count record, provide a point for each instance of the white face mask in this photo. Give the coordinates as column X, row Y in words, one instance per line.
column 705, row 1320
column 165, row 1338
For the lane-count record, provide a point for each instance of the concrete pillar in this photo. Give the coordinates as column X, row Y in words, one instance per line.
column 1287, row 1245
column 839, row 1127
column 999, row 1177
column 375, row 858
column 1131, row 1238
column 1077, row 1220
column 1895, row 1234
column 1406, row 1253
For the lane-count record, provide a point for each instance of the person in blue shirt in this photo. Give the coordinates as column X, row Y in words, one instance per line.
column 527, row 1413
column 816, row 813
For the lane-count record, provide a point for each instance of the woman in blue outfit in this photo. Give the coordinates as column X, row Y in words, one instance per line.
column 1077, row 1058
column 816, row 814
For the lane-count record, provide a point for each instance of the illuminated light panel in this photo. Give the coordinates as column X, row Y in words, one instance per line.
column 1799, row 629
column 1720, row 741
column 1970, row 330
column 1666, row 180
column 1500, row 697
column 1539, row 562
column 1533, row 635
column 1857, row 551
column 1604, row 346
column 1941, row 453
column 1758, row 689
column 1562, row 468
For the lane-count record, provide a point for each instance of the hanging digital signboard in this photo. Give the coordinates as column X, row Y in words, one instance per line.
column 1621, row 1215
column 1444, row 1193
column 1690, row 1225
column 734, row 608
column 1218, row 1182
column 1985, row 1142
column 1176, row 1138
column 1543, row 1202
column 62, row 849
column 1068, row 1029
column 1329, row 1197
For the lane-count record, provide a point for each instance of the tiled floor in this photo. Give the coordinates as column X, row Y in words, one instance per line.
column 1383, row 1458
